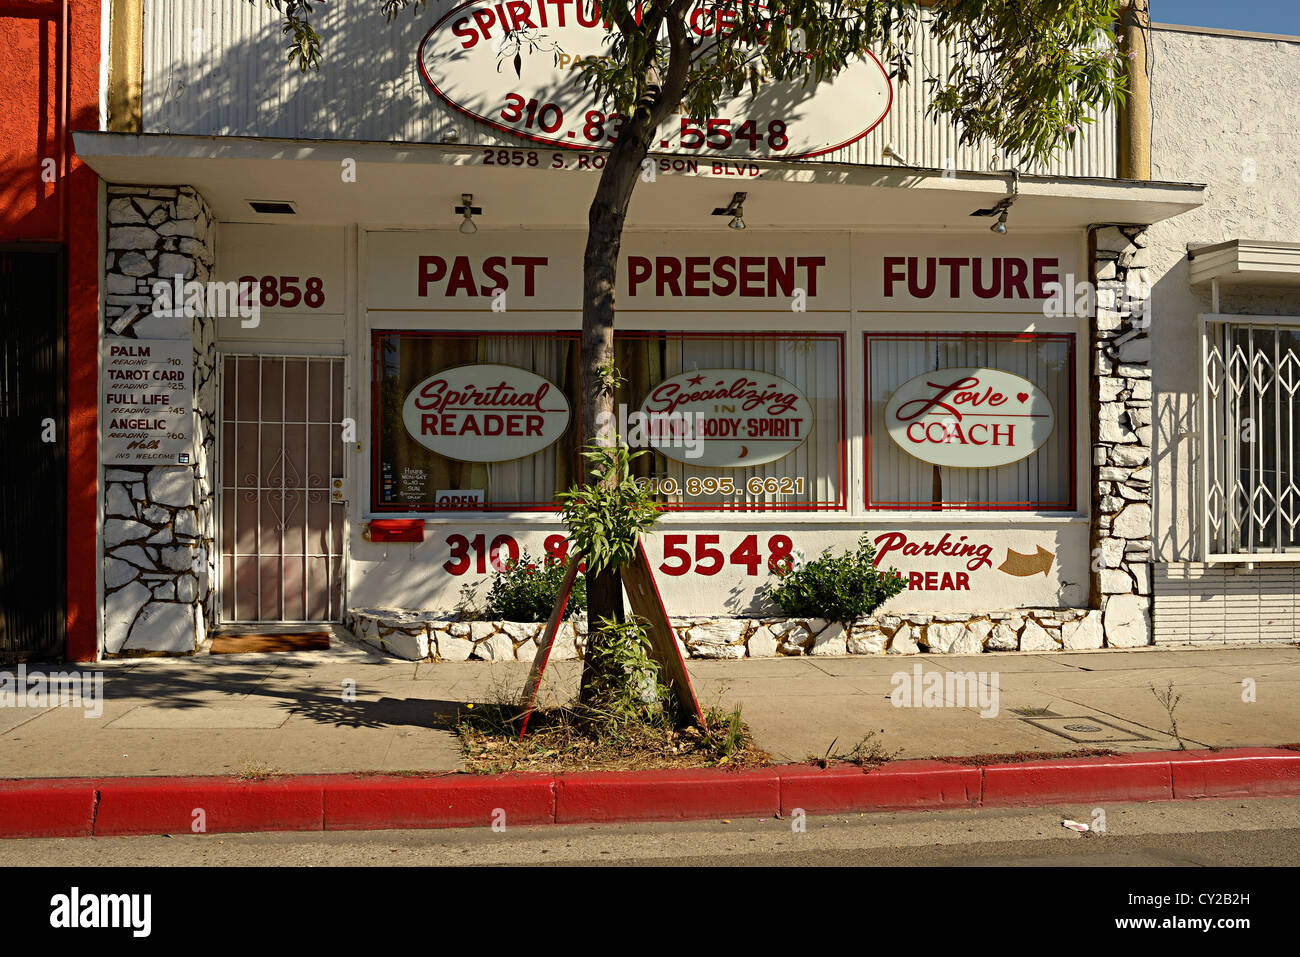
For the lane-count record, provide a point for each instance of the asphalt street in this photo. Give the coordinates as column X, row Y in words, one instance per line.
column 1185, row 833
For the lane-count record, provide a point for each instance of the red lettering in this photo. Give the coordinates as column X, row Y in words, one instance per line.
column 484, row 19
column 462, row 278
column 780, row 276
column 916, row 290
column 750, row 275
column 638, row 271
column 724, row 268
column 530, row 263
column 461, row 29
column 892, row 275
column 1014, row 273
column 493, row 270
column 812, row 264
column 697, row 275
column 1042, row 277
column 954, row 264
column 667, row 273
column 977, row 274
column 519, row 13
column 439, row 269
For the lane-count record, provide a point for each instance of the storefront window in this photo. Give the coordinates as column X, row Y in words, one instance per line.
column 970, row 421
column 745, row 421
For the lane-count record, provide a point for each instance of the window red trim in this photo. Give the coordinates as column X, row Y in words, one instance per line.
column 879, row 505
column 378, row 334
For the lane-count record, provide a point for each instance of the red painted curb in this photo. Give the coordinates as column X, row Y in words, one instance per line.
column 207, row 805
column 1122, row 777
column 359, row 804
column 74, row 807
column 672, row 795
column 41, row 808
column 1242, row 772
column 899, row 786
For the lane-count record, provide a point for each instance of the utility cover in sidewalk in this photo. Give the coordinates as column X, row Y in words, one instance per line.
column 1086, row 729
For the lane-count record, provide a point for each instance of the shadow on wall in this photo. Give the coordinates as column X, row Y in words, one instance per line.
column 1175, row 440
column 1178, row 506
column 238, row 82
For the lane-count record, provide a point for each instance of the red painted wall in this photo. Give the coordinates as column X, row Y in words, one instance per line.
column 66, row 211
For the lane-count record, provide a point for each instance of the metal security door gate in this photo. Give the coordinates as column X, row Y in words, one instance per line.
column 282, row 509
column 33, row 435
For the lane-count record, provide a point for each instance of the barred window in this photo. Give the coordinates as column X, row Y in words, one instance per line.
column 1251, row 438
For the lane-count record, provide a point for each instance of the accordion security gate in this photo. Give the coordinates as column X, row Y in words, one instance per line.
column 282, row 509
column 1251, row 436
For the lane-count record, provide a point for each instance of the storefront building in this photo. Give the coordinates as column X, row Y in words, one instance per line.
column 49, row 331
column 866, row 356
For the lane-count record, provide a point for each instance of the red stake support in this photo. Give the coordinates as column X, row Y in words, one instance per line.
column 648, row 605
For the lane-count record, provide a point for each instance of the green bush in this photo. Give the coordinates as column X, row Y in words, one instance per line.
column 527, row 589
column 607, row 517
column 839, row 588
column 626, row 687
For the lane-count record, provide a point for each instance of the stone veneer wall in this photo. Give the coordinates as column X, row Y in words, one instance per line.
column 428, row 636
column 1121, row 453
column 158, row 520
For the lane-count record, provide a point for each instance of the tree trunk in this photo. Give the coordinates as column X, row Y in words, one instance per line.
column 599, row 277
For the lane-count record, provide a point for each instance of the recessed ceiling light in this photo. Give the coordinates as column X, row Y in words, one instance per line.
column 276, row 207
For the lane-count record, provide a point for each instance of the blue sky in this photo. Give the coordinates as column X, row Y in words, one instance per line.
column 1262, row 16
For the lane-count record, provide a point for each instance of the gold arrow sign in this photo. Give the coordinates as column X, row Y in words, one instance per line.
column 1024, row 565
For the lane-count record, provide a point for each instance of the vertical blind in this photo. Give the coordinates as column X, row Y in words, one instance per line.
column 1043, row 480
column 813, row 363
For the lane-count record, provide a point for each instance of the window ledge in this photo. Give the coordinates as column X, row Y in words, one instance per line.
column 527, row 520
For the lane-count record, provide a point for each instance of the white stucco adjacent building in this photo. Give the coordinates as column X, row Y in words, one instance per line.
column 1225, row 113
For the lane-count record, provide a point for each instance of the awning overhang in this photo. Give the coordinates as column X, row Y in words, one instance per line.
column 1245, row 261
column 408, row 185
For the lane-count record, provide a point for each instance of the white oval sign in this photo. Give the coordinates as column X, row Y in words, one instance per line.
column 463, row 63
column 725, row 418
column 486, row 413
column 969, row 418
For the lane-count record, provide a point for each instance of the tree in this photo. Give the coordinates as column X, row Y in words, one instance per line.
column 1025, row 76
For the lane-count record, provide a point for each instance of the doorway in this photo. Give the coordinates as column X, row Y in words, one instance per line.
column 283, row 513
column 33, row 434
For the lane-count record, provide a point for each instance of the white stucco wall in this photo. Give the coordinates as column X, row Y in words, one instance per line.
column 1224, row 107
column 1217, row 103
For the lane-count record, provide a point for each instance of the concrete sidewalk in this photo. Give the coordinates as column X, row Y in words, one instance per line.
column 287, row 712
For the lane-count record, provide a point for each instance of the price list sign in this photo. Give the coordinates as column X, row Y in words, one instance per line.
column 146, row 402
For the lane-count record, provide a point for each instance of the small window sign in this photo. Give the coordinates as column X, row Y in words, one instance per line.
column 460, row 498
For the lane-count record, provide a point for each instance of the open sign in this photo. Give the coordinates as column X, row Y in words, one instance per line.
column 970, row 418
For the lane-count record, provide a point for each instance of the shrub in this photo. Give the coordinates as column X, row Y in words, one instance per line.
column 839, row 588
column 607, row 517
column 626, row 686
column 526, row 590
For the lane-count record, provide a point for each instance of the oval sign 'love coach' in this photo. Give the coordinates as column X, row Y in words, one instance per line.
column 969, row 418
column 726, row 418
column 462, row 63
column 486, row 413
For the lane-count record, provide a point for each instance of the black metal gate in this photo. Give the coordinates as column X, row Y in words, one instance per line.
column 33, row 444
